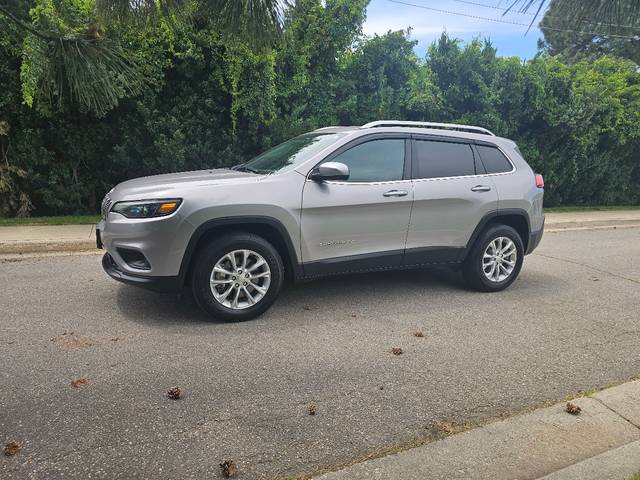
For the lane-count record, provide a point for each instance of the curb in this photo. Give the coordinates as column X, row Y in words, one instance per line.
column 532, row 445
column 19, row 248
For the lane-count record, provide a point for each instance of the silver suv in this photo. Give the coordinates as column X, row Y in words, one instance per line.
column 386, row 195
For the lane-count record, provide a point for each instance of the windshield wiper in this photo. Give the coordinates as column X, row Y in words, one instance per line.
column 244, row 168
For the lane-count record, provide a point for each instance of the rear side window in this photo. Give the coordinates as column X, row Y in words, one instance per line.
column 442, row 159
column 493, row 159
column 374, row 161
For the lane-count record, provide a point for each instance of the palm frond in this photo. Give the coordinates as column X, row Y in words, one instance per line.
column 255, row 21
column 137, row 11
column 607, row 16
column 93, row 74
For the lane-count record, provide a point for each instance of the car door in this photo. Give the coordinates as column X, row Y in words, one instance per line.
column 359, row 223
column 451, row 195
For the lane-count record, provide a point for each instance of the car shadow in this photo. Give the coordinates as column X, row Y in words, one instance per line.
column 168, row 310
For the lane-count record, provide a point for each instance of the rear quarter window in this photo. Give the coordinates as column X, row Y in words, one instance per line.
column 494, row 160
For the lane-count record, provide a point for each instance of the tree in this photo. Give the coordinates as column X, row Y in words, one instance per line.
column 383, row 78
column 71, row 55
column 621, row 39
column 317, row 35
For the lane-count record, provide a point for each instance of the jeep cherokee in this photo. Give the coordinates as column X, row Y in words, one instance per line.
column 386, row 195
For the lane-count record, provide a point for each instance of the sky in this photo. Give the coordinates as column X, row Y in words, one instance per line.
column 427, row 25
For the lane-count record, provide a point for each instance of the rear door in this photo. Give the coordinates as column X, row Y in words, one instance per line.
column 452, row 193
column 362, row 222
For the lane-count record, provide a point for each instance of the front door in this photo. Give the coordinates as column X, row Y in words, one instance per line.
column 360, row 223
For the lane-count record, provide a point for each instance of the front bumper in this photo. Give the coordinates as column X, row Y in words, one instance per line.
column 157, row 284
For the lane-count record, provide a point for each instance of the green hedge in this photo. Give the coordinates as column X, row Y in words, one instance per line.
column 209, row 103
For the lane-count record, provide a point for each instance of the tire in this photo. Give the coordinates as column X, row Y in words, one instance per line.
column 476, row 272
column 261, row 287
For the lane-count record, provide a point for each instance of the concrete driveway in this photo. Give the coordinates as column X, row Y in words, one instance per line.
column 570, row 322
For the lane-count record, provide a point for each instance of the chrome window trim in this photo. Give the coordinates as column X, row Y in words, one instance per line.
column 385, row 182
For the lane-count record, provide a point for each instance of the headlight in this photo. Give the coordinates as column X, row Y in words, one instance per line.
column 147, row 208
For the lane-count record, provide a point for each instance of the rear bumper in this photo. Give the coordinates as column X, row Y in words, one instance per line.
column 534, row 239
column 157, row 284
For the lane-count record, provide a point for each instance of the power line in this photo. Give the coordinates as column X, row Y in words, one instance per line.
column 502, row 9
column 467, row 2
column 509, row 22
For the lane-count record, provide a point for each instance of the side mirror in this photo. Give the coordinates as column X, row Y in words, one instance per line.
column 330, row 171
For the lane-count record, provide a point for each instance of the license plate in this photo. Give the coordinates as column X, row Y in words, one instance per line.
column 98, row 239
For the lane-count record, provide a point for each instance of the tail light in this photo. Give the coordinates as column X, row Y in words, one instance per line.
column 539, row 181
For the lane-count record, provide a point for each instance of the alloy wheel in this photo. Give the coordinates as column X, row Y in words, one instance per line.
column 240, row 279
column 499, row 259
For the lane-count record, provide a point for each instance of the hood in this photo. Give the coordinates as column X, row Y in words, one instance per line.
column 174, row 184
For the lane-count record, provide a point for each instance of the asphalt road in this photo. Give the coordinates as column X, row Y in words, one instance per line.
column 569, row 323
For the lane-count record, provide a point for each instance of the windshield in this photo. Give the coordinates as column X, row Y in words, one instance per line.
column 291, row 153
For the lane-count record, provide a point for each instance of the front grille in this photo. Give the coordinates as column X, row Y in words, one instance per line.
column 106, row 206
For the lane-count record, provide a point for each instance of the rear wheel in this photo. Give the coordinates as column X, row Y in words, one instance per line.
column 495, row 259
column 237, row 276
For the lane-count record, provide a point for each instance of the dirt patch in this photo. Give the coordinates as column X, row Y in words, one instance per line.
column 418, row 334
column 396, row 351
column 447, row 428
column 69, row 341
column 311, row 409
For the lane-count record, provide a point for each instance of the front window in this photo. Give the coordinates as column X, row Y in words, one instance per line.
column 290, row 154
column 375, row 161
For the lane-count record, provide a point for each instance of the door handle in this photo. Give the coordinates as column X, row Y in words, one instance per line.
column 481, row 188
column 395, row 193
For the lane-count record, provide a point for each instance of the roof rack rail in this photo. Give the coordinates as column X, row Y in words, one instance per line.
column 445, row 126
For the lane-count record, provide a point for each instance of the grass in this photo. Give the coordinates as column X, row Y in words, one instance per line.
column 635, row 477
column 590, row 209
column 63, row 220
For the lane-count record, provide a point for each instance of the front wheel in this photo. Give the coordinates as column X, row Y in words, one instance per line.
column 237, row 276
column 495, row 259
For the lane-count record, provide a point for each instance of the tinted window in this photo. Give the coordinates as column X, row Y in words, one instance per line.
column 443, row 159
column 375, row 161
column 493, row 159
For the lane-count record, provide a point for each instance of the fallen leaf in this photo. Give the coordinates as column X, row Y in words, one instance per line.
column 175, row 393
column 117, row 339
column 353, row 315
column 396, row 351
column 418, row 334
column 80, row 381
column 229, row 468
column 573, row 409
column 307, row 307
column 11, row 448
column 311, row 409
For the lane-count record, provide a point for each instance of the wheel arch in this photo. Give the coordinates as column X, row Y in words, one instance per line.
column 516, row 218
column 268, row 228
